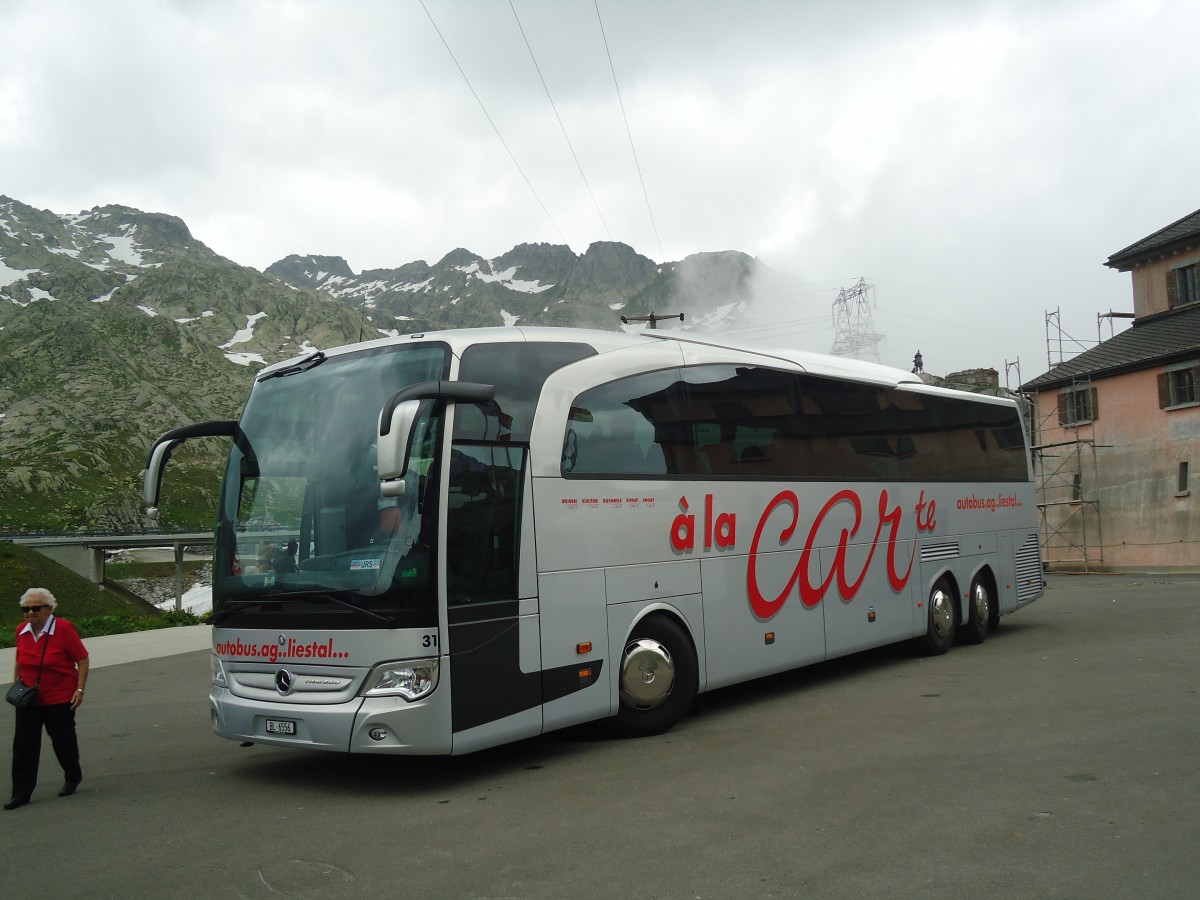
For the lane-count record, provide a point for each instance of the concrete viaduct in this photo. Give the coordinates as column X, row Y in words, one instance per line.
column 85, row 554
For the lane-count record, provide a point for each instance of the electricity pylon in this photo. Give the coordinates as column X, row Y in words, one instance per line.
column 854, row 332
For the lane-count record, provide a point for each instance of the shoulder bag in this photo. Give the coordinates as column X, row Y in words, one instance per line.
column 22, row 695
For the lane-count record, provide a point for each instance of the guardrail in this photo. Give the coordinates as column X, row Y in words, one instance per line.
column 109, row 541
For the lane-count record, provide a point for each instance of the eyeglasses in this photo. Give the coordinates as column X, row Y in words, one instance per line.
column 33, row 609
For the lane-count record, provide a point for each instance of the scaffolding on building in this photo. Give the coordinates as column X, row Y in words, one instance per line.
column 1069, row 504
column 1067, row 477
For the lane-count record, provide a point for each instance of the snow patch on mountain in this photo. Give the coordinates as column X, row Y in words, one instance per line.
column 415, row 287
column 124, row 247
column 725, row 314
column 242, row 335
column 12, row 276
column 507, row 280
column 244, row 359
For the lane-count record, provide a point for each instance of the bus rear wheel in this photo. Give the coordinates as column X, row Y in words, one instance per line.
column 979, row 611
column 658, row 678
column 941, row 619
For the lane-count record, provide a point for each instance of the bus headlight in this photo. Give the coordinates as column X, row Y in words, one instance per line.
column 411, row 679
column 218, row 672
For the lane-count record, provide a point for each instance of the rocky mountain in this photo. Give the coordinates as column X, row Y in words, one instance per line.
column 532, row 284
column 117, row 325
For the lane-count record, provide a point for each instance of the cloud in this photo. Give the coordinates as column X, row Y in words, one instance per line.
column 977, row 160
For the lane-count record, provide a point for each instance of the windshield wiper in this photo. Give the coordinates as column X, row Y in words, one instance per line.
column 387, row 620
column 274, row 597
column 303, row 366
column 225, row 613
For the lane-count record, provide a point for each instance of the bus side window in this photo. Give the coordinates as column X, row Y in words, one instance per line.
column 481, row 522
column 618, row 428
column 745, row 422
column 619, row 444
column 710, row 456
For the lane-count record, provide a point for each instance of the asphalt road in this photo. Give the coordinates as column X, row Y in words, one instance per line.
column 1060, row 759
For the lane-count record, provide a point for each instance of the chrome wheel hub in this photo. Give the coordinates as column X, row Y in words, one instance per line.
column 941, row 613
column 647, row 674
column 980, row 599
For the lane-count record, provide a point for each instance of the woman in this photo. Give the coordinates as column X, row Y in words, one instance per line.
column 50, row 655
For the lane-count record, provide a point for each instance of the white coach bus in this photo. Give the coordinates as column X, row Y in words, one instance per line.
column 442, row 542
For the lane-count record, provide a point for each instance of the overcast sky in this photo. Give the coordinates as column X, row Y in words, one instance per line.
column 975, row 161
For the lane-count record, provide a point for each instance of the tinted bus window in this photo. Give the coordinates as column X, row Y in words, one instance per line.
column 518, row 370
column 729, row 421
column 483, row 509
column 848, row 428
column 747, row 421
column 633, row 426
column 984, row 440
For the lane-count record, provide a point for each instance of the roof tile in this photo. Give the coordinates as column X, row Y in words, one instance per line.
column 1149, row 341
column 1187, row 228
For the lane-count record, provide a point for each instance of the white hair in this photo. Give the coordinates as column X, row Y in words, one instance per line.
column 36, row 593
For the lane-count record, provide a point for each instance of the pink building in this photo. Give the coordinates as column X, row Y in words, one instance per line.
column 1118, row 427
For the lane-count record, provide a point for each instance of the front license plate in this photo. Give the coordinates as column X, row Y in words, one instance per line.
column 281, row 726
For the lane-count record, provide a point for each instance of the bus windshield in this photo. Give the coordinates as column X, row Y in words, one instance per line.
column 305, row 538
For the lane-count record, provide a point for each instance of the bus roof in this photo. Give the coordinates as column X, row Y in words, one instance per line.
column 607, row 341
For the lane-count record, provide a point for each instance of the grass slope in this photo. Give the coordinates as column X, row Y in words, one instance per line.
column 94, row 610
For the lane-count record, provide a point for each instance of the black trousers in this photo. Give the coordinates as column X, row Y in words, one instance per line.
column 59, row 722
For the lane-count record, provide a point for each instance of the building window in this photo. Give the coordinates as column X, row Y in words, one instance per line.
column 1183, row 286
column 1182, row 489
column 1078, row 406
column 1177, row 386
column 1183, row 387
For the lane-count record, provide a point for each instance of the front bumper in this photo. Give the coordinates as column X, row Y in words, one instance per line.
column 419, row 728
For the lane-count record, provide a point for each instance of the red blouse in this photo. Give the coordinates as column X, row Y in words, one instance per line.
column 59, row 675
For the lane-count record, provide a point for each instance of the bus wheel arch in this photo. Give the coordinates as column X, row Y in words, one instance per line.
column 657, row 677
column 982, row 607
column 941, row 615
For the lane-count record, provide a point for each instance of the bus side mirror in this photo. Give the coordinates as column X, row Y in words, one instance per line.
column 399, row 416
column 152, row 480
column 161, row 452
column 394, row 446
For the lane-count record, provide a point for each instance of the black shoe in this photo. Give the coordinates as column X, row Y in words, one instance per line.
column 15, row 802
column 68, row 789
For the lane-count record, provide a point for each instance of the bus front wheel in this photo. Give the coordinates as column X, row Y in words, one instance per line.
column 658, row 678
column 941, row 619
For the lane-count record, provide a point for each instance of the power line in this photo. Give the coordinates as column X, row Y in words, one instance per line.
column 751, row 327
column 574, row 156
column 628, row 131
column 774, row 328
column 896, row 314
column 787, row 291
column 503, row 142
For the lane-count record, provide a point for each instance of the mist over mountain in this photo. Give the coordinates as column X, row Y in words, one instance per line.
column 117, row 325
